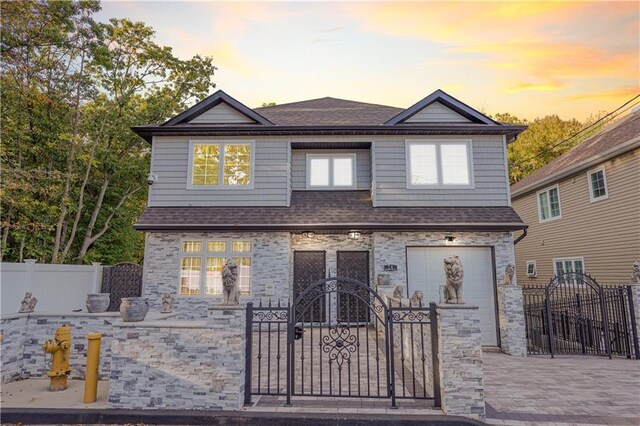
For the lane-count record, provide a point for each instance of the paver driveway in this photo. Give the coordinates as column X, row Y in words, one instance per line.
column 567, row 389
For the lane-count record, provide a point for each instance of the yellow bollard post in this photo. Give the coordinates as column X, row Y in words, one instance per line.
column 91, row 372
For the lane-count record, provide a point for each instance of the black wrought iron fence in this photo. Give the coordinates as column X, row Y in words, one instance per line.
column 573, row 314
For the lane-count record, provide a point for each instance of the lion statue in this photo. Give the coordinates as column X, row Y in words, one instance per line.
column 417, row 298
column 509, row 270
column 230, row 282
column 453, row 280
column 398, row 292
column 635, row 277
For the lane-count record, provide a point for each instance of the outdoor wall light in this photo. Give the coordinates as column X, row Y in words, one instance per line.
column 354, row 235
column 309, row 234
column 449, row 238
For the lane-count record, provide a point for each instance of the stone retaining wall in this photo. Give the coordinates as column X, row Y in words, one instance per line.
column 24, row 334
column 180, row 365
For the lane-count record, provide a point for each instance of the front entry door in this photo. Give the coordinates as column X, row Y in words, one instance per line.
column 354, row 265
column 309, row 267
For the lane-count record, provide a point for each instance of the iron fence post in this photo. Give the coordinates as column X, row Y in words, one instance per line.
column 290, row 329
column 391, row 375
column 605, row 322
column 435, row 361
column 634, row 327
column 248, row 352
column 625, row 324
column 547, row 302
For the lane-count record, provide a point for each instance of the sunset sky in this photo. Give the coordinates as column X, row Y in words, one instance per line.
column 527, row 58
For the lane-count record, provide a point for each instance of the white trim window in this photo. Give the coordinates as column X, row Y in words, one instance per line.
column 439, row 164
column 532, row 270
column 201, row 266
column 549, row 204
column 227, row 164
column 331, row 171
column 597, row 185
column 568, row 265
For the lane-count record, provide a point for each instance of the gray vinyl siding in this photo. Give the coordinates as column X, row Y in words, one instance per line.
column 299, row 166
column 222, row 114
column 436, row 113
column 490, row 178
column 275, row 172
column 605, row 233
column 170, row 158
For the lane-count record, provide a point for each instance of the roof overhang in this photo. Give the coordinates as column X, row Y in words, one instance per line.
column 147, row 132
column 328, row 227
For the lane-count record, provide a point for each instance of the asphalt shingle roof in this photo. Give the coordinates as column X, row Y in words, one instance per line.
column 329, row 210
column 616, row 134
column 328, row 112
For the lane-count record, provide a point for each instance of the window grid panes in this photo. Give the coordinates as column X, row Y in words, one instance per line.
column 439, row 163
column 190, row 276
column 202, row 274
column 564, row 266
column 531, row 269
column 598, row 185
column 206, row 164
column 226, row 164
column 549, row 204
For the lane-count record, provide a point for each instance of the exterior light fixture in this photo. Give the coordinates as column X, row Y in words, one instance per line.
column 449, row 238
column 309, row 234
column 354, row 235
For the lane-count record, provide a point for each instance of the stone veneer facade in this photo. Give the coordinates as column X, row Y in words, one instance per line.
column 272, row 266
column 513, row 339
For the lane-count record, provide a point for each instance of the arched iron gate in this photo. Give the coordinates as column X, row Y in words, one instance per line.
column 573, row 314
column 339, row 338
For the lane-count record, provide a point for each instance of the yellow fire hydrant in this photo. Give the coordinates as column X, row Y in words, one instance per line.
column 59, row 347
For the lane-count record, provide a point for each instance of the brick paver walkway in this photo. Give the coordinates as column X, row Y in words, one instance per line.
column 564, row 390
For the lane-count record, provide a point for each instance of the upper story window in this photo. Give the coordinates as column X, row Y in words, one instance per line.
column 220, row 164
column 445, row 164
column 331, row 171
column 597, row 185
column 202, row 263
column 549, row 204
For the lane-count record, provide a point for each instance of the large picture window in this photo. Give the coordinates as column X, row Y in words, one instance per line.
column 331, row 171
column 202, row 263
column 439, row 164
column 220, row 164
column 549, row 204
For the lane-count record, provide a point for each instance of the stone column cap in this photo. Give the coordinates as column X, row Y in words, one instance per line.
column 455, row 306
column 241, row 307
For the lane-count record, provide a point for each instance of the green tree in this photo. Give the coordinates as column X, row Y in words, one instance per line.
column 74, row 174
column 535, row 147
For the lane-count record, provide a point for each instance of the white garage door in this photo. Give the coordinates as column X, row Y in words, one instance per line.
column 426, row 273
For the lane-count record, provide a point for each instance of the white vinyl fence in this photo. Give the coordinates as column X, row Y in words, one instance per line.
column 58, row 288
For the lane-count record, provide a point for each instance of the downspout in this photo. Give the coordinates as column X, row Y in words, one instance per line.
column 521, row 237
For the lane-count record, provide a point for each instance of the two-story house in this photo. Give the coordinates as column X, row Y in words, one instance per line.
column 324, row 188
column 583, row 209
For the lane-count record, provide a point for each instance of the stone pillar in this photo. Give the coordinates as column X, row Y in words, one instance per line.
column 460, row 361
column 513, row 339
column 97, row 277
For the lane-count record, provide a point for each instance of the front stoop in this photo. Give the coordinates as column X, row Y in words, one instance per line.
column 189, row 417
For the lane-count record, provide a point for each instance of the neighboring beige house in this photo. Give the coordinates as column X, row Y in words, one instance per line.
column 583, row 209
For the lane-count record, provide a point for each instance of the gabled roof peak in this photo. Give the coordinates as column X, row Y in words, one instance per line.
column 212, row 101
column 440, row 96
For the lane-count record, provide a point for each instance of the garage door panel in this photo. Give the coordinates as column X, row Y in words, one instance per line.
column 426, row 273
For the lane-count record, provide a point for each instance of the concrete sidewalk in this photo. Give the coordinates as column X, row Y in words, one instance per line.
column 33, row 393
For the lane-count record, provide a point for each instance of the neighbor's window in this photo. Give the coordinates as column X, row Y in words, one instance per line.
column 331, row 171
column 221, row 164
column 438, row 163
column 202, row 269
column 568, row 265
column 549, row 204
column 531, row 269
column 597, row 185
